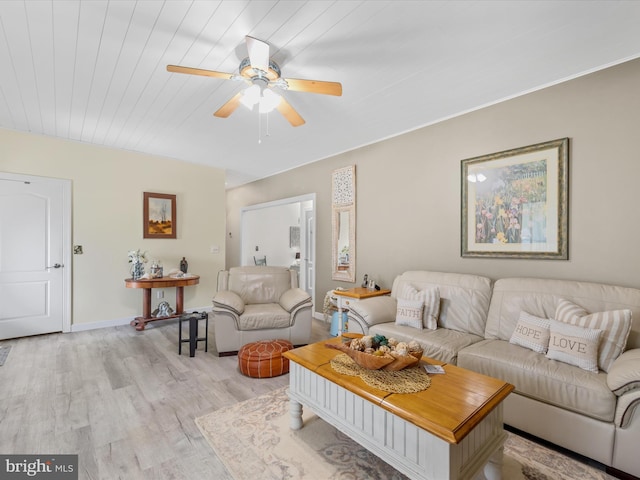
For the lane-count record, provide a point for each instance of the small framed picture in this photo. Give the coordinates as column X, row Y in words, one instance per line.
column 514, row 203
column 159, row 219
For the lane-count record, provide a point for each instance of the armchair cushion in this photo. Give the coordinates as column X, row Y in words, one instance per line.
column 230, row 300
column 264, row 316
column 624, row 374
column 294, row 298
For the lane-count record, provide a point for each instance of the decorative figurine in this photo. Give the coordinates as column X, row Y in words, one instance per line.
column 163, row 310
column 184, row 265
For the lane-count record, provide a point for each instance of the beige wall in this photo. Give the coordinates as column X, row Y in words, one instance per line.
column 408, row 187
column 107, row 189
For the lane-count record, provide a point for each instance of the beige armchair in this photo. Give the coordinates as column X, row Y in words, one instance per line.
column 259, row 303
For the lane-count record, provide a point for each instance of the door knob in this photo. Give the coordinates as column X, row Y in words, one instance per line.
column 56, row 265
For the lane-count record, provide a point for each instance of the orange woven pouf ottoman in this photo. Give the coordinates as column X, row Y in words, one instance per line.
column 264, row 359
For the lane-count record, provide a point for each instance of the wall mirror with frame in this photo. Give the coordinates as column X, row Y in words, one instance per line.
column 343, row 212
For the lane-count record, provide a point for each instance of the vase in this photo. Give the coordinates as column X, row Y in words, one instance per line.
column 137, row 270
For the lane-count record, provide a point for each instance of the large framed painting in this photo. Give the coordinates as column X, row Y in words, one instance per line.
column 514, row 203
column 159, row 215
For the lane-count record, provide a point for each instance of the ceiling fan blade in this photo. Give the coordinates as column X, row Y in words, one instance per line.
column 290, row 113
column 228, row 108
column 199, row 71
column 314, row 86
column 258, row 53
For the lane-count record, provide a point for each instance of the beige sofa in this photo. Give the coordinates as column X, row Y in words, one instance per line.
column 593, row 414
column 259, row 303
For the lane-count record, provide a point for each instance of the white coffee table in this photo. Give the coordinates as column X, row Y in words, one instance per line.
column 452, row 430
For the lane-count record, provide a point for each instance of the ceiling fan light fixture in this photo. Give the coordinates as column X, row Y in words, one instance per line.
column 263, row 73
column 269, row 101
column 250, row 96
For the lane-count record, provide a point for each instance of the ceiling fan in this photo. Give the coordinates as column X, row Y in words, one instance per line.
column 263, row 75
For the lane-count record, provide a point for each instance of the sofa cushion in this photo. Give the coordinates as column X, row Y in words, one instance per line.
column 409, row 313
column 539, row 296
column 574, row 345
column 431, row 299
column 615, row 326
column 539, row 378
column 264, row 316
column 464, row 298
column 442, row 344
column 531, row 332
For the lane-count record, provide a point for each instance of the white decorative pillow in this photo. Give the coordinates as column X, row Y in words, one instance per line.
column 409, row 313
column 431, row 299
column 615, row 326
column 531, row 332
column 574, row 345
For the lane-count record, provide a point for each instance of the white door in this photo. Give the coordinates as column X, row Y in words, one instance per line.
column 35, row 255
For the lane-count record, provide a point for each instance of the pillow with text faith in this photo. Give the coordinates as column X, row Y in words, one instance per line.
column 431, row 299
column 409, row 313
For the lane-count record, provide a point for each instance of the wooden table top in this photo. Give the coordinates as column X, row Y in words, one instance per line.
column 164, row 282
column 361, row 292
column 450, row 408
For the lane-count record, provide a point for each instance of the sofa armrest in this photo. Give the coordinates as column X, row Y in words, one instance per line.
column 625, row 408
column 624, row 374
column 229, row 300
column 373, row 311
column 294, row 298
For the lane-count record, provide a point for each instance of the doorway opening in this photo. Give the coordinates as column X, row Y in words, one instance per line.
column 282, row 233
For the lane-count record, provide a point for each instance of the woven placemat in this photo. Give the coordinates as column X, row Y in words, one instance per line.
column 408, row 380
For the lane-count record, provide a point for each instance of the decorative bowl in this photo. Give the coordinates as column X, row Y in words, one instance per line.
column 389, row 361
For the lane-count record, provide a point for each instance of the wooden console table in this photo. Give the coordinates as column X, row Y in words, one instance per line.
column 164, row 282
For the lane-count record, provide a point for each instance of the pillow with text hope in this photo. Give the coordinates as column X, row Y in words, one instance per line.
column 531, row 332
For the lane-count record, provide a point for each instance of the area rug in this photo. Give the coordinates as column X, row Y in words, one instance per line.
column 253, row 440
column 4, row 353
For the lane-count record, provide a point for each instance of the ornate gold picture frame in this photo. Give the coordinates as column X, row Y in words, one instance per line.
column 514, row 203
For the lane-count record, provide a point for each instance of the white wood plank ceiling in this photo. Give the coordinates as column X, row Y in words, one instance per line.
column 95, row 71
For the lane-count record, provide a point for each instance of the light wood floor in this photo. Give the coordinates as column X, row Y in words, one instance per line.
column 123, row 400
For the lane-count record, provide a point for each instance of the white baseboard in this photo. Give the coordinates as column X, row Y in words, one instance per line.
column 81, row 327
column 318, row 316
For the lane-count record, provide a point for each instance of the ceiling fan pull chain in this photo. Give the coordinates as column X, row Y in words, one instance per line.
column 259, row 128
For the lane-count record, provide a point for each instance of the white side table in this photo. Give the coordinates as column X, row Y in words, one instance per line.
column 346, row 297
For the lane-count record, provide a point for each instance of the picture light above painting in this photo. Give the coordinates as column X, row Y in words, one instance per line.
column 514, row 203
